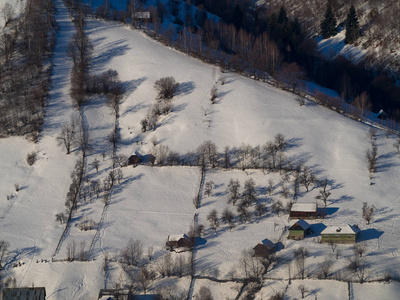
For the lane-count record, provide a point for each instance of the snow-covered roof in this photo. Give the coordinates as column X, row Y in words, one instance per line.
column 177, row 237
column 307, row 207
column 344, row 229
column 303, row 224
column 267, row 243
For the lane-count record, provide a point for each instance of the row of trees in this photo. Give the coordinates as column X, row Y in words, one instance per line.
column 26, row 45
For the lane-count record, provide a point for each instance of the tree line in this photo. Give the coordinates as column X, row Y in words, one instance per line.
column 26, row 45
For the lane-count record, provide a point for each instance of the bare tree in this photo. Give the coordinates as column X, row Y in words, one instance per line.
column 213, row 219
column 300, row 256
column 166, row 87
column 277, row 207
column 363, row 104
column 360, row 249
column 67, row 136
column 367, row 212
column 261, row 209
column 233, row 191
column 61, row 217
column 132, row 253
column 208, row 187
column 243, row 213
column 31, row 158
column 71, row 251
column 96, row 164
column 396, row 145
column 358, row 266
column 180, row 266
column 323, row 193
column 325, row 268
column 228, row 218
column 303, row 290
column 164, row 265
column 144, row 279
column 333, row 245
column 7, row 12
column 249, row 192
column 213, row 95
column 371, row 155
column 270, row 187
column 204, row 294
column 307, row 177
column 372, row 132
column 280, row 141
column 4, row 246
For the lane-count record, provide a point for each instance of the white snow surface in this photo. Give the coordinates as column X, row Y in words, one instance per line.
column 306, row 207
column 343, row 229
column 151, row 203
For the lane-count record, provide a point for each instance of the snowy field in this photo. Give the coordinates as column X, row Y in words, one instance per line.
column 152, row 202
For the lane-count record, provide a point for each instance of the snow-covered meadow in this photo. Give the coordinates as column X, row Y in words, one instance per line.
column 152, row 202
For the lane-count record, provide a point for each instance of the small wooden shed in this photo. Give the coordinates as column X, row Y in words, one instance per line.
column 346, row 234
column 178, row 241
column 304, row 211
column 264, row 248
column 299, row 230
column 134, row 160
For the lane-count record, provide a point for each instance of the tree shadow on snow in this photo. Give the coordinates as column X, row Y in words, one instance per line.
column 131, row 85
column 185, row 88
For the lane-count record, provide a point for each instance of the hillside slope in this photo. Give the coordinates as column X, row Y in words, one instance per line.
column 151, row 203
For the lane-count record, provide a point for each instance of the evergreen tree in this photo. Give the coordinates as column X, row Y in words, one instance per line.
column 237, row 17
column 328, row 25
column 282, row 16
column 352, row 26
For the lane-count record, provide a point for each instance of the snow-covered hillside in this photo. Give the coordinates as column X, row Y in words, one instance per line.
column 151, row 203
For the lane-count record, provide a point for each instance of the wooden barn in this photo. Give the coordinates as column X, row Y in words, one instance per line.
column 179, row 241
column 304, row 211
column 299, row 230
column 28, row 293
column 264, row 248
column 111, row 294
column 346, row 234
column 134, row 160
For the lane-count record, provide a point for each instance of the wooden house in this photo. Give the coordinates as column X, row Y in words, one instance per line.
column 264, row 248
column 299, row 230
column 117, row 294
column 26, row 293
column 304, row 211
column 179, row 241
column 134, row 160
column 346, row 234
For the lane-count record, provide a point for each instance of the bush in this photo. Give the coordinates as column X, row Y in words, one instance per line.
column 31, row 158
column 166, row 87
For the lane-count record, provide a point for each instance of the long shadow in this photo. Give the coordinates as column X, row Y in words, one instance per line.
column 110, row 51
column 294, row 143
column 135, row 108
column 344, row 198
column 223, row 94
column 117, row 188
column 185, row 88
column 179, row 107
column 369, row 234
column 131, row 85
column 316, row 229
column 17, row 254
